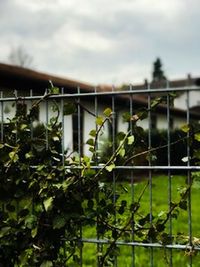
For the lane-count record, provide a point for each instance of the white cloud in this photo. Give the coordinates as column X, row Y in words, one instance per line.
column 87, row 40
column 103, row 41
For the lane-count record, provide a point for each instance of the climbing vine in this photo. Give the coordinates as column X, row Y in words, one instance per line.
column 47, row 197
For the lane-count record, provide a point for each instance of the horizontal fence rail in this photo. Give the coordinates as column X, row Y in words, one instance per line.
column 132, row 91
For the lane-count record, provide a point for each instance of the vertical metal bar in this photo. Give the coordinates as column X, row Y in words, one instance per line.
column 2, row 133
column 79, row 125
column 150, row 172
column 16, row 96
column 132, row 177
column 80, row 154
column 63, row 127
column 63, row 157
column 113, row 150
column 189, row 179
column 99, row 246
column 31, row 123
column 47, row 121
column 169, row 172
column 31, row 135
column 2, row 118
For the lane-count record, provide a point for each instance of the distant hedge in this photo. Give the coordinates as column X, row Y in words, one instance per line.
column 177, row 151
column 159, row 153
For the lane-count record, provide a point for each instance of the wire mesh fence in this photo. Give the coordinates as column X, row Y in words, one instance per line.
column 141, row 182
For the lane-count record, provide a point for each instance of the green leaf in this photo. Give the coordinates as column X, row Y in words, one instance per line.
column 126, row 117
column 142, row 115
column 47, row 264
column 86, row 159
column 110, row 167
column 29, row 155
column 120, row 136
column 122, row 152
column 69, row 109
column 197, row 137
column 13, row 156
column 155, row 102
column 34, row 232
column 131, row 140
column 183, row 205
column 91, row 149
column 144, row 220
column 121, row 210
column 160, row 227
column 93, row 133
column 161, row 213
column 48, row 203
column 185, row 128
column 185, row 159
column 30, row 221
column 54, row 90
column 107, row 112
column 1, row 146
column 23, row 126
column 4, row 231
column 175, row 214
column 99, row 120
column 58, row 222
column 124, row 203
column 40, row 167
column 90, row 142
column 56, row 138
column 166, row 239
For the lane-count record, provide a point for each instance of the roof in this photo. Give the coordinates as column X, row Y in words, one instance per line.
column 15, row 77
column 188, row 81
column 22, row 78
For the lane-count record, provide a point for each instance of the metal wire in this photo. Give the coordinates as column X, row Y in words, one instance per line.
column 169, row 171
column 150, row 172
column 2, row 117
column 132, row 180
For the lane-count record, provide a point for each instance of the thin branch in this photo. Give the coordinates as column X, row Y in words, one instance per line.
column 157, row 148
column 113, row 156
column 84, row 108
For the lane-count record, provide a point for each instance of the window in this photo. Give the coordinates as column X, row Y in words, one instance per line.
column 153, row 121
column 21, row 108
column 77, row 124
column 171, row 123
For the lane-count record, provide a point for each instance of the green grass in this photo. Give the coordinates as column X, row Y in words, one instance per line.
column 160, row 193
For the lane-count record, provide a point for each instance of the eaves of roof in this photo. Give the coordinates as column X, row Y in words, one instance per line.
column 23, row 78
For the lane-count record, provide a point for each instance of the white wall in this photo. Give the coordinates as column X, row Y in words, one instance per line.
column 46, row 113
column 8, row 111
column 194, row 100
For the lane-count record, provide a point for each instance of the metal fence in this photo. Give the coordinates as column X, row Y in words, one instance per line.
column 127, row 101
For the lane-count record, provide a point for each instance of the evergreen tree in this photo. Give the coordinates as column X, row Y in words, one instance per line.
column 158, row 73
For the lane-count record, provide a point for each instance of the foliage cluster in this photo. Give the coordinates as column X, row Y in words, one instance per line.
column 159, row 155
column 47, row 197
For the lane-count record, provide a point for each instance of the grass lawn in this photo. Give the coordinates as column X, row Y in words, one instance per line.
column 160, row 193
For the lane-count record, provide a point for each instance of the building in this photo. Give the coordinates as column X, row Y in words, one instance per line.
column 21, row 86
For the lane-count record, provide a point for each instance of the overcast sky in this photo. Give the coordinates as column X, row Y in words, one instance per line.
column 104, row 41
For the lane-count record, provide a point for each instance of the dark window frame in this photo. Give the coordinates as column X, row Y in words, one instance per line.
column 77, row 133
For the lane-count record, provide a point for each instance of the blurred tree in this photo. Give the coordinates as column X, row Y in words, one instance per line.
column 158, row 73
column 18, row 56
